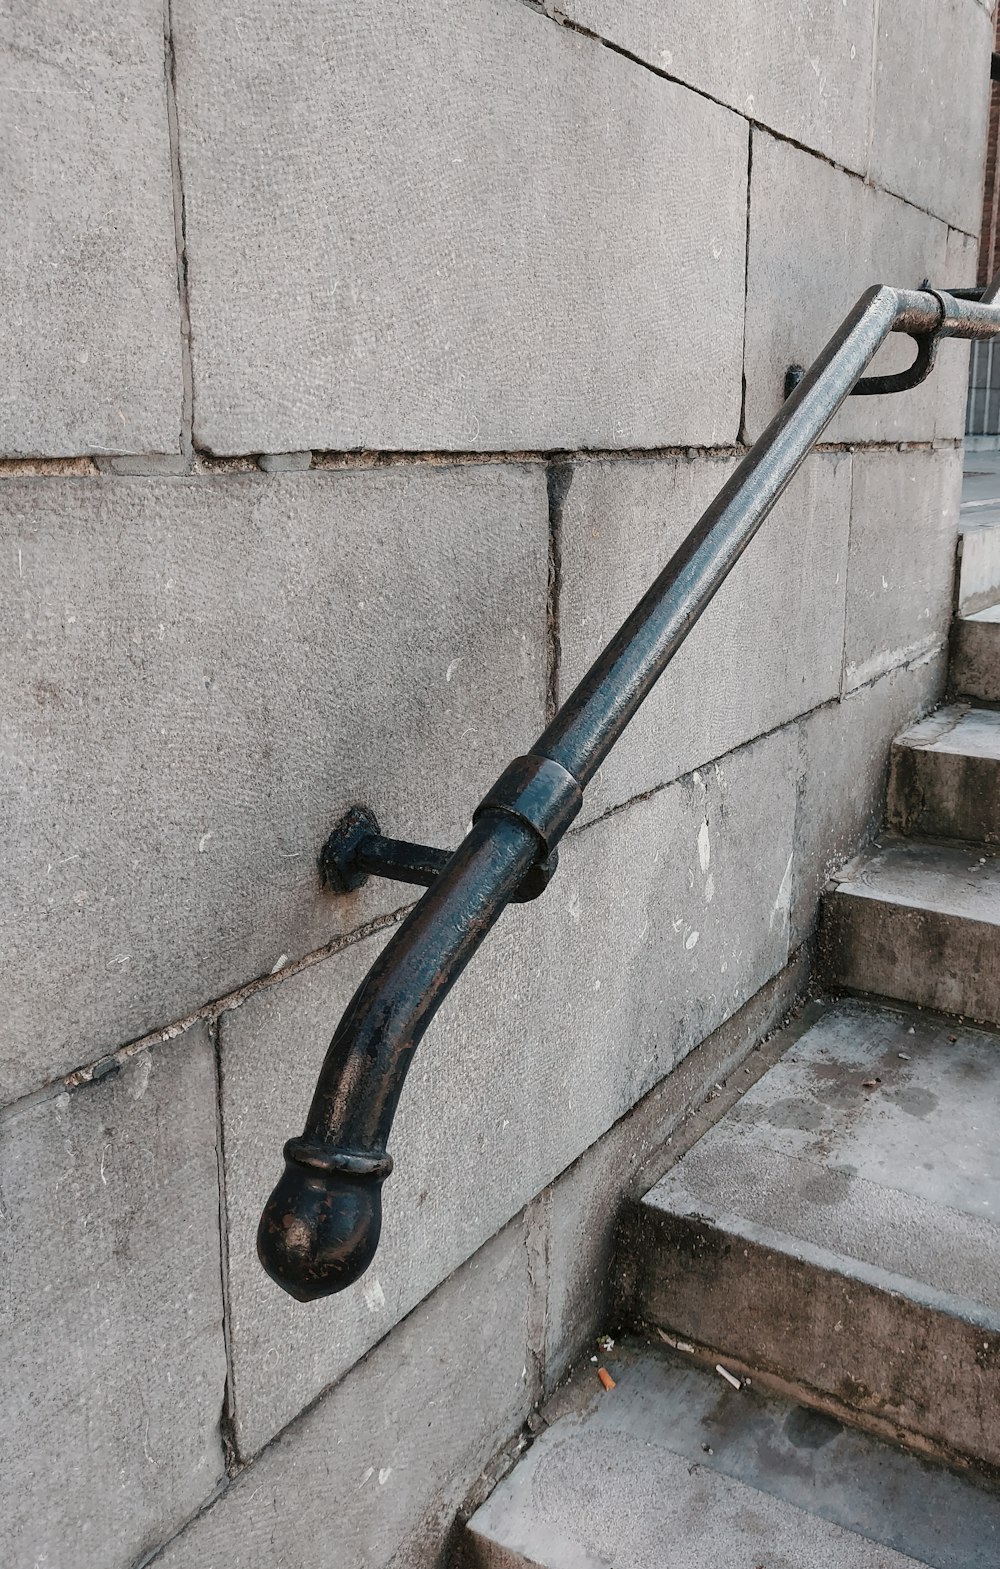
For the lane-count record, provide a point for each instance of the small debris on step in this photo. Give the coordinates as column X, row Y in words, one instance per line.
column 953, row 1038
column 904, row 1054
column 678, row 1345
column 911, row 1031
column 708, row 1449
column 729, row 1377
column 605, row 1378
column 605, row 1343
column 593, row 1359
column 871, row 1084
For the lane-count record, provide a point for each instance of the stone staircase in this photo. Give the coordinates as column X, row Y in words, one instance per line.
column 816, row 1377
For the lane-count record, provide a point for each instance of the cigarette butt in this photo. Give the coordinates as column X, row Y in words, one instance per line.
column 729, row 1377
column 605, row 1378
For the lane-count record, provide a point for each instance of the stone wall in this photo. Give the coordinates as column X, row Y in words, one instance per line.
column 364, row 363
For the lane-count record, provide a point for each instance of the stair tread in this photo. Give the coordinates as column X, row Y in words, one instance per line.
column 950, row 879
column 675, row 1469
column 958, row 730
column 898, row 1182
column 991, row 613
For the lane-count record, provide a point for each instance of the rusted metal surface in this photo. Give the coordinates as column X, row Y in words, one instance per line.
column 320, row 1227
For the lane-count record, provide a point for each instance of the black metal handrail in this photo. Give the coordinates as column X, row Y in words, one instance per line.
column 321, row 1225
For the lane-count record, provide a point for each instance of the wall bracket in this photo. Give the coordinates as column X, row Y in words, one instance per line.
column 357, row 849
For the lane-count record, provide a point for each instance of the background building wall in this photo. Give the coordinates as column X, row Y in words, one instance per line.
column 364, row 365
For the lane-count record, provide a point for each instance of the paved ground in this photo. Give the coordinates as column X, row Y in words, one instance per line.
column 981, row 489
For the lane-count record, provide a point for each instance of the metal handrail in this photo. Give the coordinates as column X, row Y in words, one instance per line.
column 320, row 1227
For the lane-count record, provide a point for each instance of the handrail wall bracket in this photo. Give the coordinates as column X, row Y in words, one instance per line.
column 321, row 1225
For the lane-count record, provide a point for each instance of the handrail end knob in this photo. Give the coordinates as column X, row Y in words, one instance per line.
column 321, row 1225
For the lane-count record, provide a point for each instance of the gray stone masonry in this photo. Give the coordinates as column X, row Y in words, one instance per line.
column 662, row 921
column 843, row 761
column 837, row 1228
column 930, row 110
column 88, row 266
column 818, row 239
column 375, row 1473
column 904, row 516
column 436, row 1398
column 382, row 254
column 203, row 675
column 804, row 71
column 769, row 647
column 728, row 1478
column 113, row 1366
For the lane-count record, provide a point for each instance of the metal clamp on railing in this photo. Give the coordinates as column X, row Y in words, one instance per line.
column 320, row 1227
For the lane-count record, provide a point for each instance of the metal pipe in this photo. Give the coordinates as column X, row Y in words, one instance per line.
column 320, row 1227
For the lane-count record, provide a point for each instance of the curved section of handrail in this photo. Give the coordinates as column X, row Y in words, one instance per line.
column 320, row 1227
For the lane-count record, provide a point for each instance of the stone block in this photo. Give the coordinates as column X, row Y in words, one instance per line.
column 904, row 527
column 114, row 1363
column 88, row 277
column 202, row 674
column 583, row 1208
column 374, row 1474
column 932, row 87
column 443, row 226
column 660, row 924
column 847, row 236
column 843, row 762
column 805, row 71
column 768, row 648
column 975, row 655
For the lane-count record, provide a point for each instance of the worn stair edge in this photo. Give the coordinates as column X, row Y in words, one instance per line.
column 974, row 669
column 907, row 922
column 675, row 1466
column 917, row 1363
column 944, row 776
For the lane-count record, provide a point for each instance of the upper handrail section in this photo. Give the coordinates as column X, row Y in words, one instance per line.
column 320, row 1227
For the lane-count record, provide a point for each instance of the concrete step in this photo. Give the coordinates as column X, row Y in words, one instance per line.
column 838, row 1228
column 944, row 776
column 675, row 1469
column 978, row 555
column 975, row 655
column 917, row 922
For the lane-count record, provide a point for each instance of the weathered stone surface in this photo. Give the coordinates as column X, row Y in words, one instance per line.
column 768, row 648
column 202, row 675
column 932, row 85
column 945, row 776
column 374, row 1474
column 114, row 1364
column 675, row 1461
column 843, row 760
column 803, row 71
column 444, row 226
column 975, row 655
column 920, row 922
column 661, row 922
column 847, row 236
column 904, row 523
column 88, row 277
column 824, row 1231
column 581, row 1211
column 952, row 368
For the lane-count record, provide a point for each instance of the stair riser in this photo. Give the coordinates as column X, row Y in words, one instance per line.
column 944, row 794
column 932, row 1375
column 975, row 660
column 935, row 960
